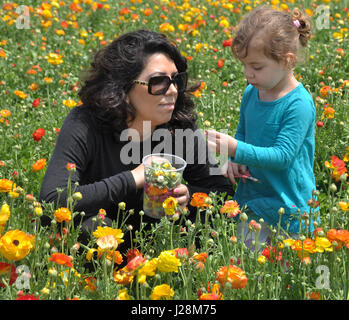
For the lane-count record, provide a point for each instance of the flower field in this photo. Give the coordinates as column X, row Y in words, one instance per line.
column 45, row 46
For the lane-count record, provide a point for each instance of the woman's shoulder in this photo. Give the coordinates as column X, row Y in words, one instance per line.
column 79, row 116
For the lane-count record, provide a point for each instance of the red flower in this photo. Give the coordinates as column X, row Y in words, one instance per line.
column 220, row 63
column 136, row 262
column 38, row 134
column 27, row 297
column 9, row 271
column 227, row 43
column 132, row 253
column 272, row 253
column 319, row 124
column 36, row 102
column 181, row 252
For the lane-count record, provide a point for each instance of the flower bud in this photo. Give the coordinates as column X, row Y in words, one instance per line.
column 281, row 211
column 333, row 188
column 243, row 216
column 122, row 205
column 77, row 196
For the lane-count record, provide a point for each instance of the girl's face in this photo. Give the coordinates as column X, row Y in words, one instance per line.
column 157, row 109
column 264, row 73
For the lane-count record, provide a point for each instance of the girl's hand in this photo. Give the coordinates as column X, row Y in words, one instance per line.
column 221, row 143
column 182, row 195
column 234, row 170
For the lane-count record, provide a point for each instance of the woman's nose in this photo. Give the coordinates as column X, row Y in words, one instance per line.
column 172, row 89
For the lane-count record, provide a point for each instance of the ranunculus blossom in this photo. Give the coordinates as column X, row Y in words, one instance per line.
column 15, row 245
column 39, row 165
column 36, row 102
column 61, row 258
column 38, row 134
column 231, row 208
column 233, row 275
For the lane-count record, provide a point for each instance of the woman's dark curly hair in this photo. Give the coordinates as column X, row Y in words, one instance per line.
column 111, row 76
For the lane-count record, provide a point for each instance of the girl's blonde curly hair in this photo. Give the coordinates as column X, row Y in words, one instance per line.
column 280, row 32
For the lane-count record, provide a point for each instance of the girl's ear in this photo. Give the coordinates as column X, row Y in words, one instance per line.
column 289, row 60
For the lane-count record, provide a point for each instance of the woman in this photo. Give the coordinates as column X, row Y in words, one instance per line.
column 140, row 78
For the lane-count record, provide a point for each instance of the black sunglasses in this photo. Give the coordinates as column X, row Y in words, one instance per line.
column 159, row 84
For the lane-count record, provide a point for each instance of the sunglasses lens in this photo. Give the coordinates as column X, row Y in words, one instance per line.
column 159, row 85
column 181, row 81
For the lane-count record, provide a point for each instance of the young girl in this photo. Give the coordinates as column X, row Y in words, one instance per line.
column 274, row 141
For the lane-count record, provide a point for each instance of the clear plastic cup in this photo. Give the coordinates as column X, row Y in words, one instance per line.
column 163, row 172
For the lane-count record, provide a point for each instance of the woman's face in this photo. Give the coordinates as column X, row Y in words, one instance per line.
column 157, row 109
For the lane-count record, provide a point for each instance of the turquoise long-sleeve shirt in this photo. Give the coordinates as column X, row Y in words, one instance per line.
column 276, row 141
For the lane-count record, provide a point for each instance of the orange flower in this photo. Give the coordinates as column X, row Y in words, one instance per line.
column 114, row 255
column 61, row 258
column 71, row 167
column 324, row 91
column 198, row 200
column 231, row 208
column 210, row 296
column 90, row 284
column 313, row 295
column 39, row 165
column 329, row 112
column 62, row 214
column 340, row 236
column 233, row 275
column 148, row 12
column 7, row 185
column 337, row 166
column 200, row 256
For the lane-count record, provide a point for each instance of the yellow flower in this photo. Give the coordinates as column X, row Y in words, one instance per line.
column 20, row 94
column 104, row 231
column 262, row 259
column 62, row 214
column 323, row 244
column 123, row 295
column 168, row 262
column 343, row 205
column 54, row 58
column 163, row 291
column 16, row 244
column 90, row 253
column 166, row 27
column 5, row 113
column 69, row 103
column 170, row 206
column 4, row 213
column 148, row 269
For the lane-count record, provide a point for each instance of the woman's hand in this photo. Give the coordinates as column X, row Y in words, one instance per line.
column 182, row 195
column 138, row 175
column 221, row 143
